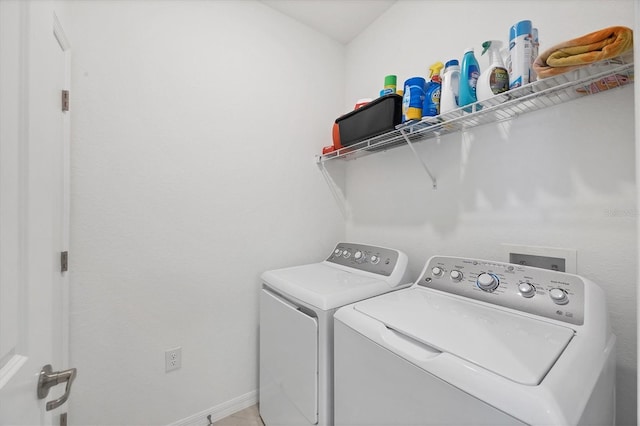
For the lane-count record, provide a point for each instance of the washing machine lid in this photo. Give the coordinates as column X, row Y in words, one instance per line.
column 514, row 346
column 324, row 286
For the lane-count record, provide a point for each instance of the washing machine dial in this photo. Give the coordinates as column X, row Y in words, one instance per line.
column 346, row 254
column 456, row 275
column 526, row 290
column 337, row 252
column 487, row 282
column 358, row 256
column 559, row 296
column 436, row 271
column 374, row 259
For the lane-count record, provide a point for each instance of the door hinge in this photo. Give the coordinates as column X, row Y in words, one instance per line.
column 65, row 100
column 64, row 261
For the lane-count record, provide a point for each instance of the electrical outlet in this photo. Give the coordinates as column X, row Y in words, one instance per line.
column 172, row 359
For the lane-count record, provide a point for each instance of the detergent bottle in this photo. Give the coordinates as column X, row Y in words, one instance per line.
column 468, row 79
column 431, row 106
column 495, row 79
column 412, row 99
column 450, row 86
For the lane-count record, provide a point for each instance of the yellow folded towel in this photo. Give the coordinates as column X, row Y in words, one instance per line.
column 587, row 49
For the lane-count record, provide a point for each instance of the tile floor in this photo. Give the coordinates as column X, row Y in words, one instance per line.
column 247, row 417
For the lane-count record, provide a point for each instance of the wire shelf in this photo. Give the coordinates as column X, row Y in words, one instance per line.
column 585, row 81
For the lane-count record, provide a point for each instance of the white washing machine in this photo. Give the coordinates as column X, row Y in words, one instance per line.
column 296, row 327
column 476, row 342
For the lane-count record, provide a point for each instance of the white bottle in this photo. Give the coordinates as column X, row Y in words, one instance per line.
column 494, row 79
column 520, row 51
column 450, row 86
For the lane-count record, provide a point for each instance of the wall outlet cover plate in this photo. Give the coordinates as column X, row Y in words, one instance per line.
column 172, row 359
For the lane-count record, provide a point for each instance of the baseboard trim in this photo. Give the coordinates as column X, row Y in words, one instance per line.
column 220, row 411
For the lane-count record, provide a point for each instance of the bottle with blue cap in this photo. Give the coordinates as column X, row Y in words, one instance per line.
column 520, row 51
column 468, row 79
column 450, row 85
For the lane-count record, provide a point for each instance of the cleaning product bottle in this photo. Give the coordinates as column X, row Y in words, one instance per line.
column 412, row 99
column 450, row 86
column 520, row 51
column 468, row 79
column 506, row 60
column 495, row 79
column 389, row 85
column 431, row 106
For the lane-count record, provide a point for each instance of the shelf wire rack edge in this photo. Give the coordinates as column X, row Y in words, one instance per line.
column 531, row 97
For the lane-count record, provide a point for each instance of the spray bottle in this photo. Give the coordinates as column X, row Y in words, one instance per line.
column 431, row 106
column 495, row 79
column 468, row 79
column 450, row 86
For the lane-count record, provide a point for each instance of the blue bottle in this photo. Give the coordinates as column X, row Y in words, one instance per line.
column 413, row 98
column 431, row 106
column 469, row 73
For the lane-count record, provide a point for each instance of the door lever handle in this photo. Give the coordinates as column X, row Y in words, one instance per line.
column 48, row 378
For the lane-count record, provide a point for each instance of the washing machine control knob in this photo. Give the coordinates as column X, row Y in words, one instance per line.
column 526, row 290
column 487, row 282
column 436, row 271
column 358, row 255
column 374, row 259
column 346, row 254
column 337, row 252
column 456, row 275
column 559, row 296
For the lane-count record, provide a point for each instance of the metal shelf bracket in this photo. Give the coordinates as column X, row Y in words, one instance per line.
column 434, row 183
column 335, row 190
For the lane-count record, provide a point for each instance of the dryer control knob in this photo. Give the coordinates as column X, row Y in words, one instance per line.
column 526, row 290
column 487, row 282
column 456, row 275
column 436, row 271
column 559, row 296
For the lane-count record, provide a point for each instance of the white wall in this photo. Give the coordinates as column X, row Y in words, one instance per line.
column 195, row 126
column 182, row 194
column 561, row 177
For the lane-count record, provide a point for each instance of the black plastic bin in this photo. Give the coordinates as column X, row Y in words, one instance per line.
column 378, row 116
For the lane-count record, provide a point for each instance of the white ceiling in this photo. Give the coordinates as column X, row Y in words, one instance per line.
column 341, row 20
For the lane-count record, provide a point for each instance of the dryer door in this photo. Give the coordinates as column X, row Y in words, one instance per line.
column 288, row 363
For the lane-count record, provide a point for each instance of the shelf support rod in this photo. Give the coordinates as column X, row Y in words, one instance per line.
column 415, row 154
column 333, row 187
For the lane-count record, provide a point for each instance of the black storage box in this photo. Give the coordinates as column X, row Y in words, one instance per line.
column 378, row 116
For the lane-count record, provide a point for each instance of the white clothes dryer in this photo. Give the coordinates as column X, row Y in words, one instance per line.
column 296, row 327
column 476, row 342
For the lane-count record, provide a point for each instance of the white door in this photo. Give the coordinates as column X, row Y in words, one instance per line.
column 33, row 212
column 288, row 363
